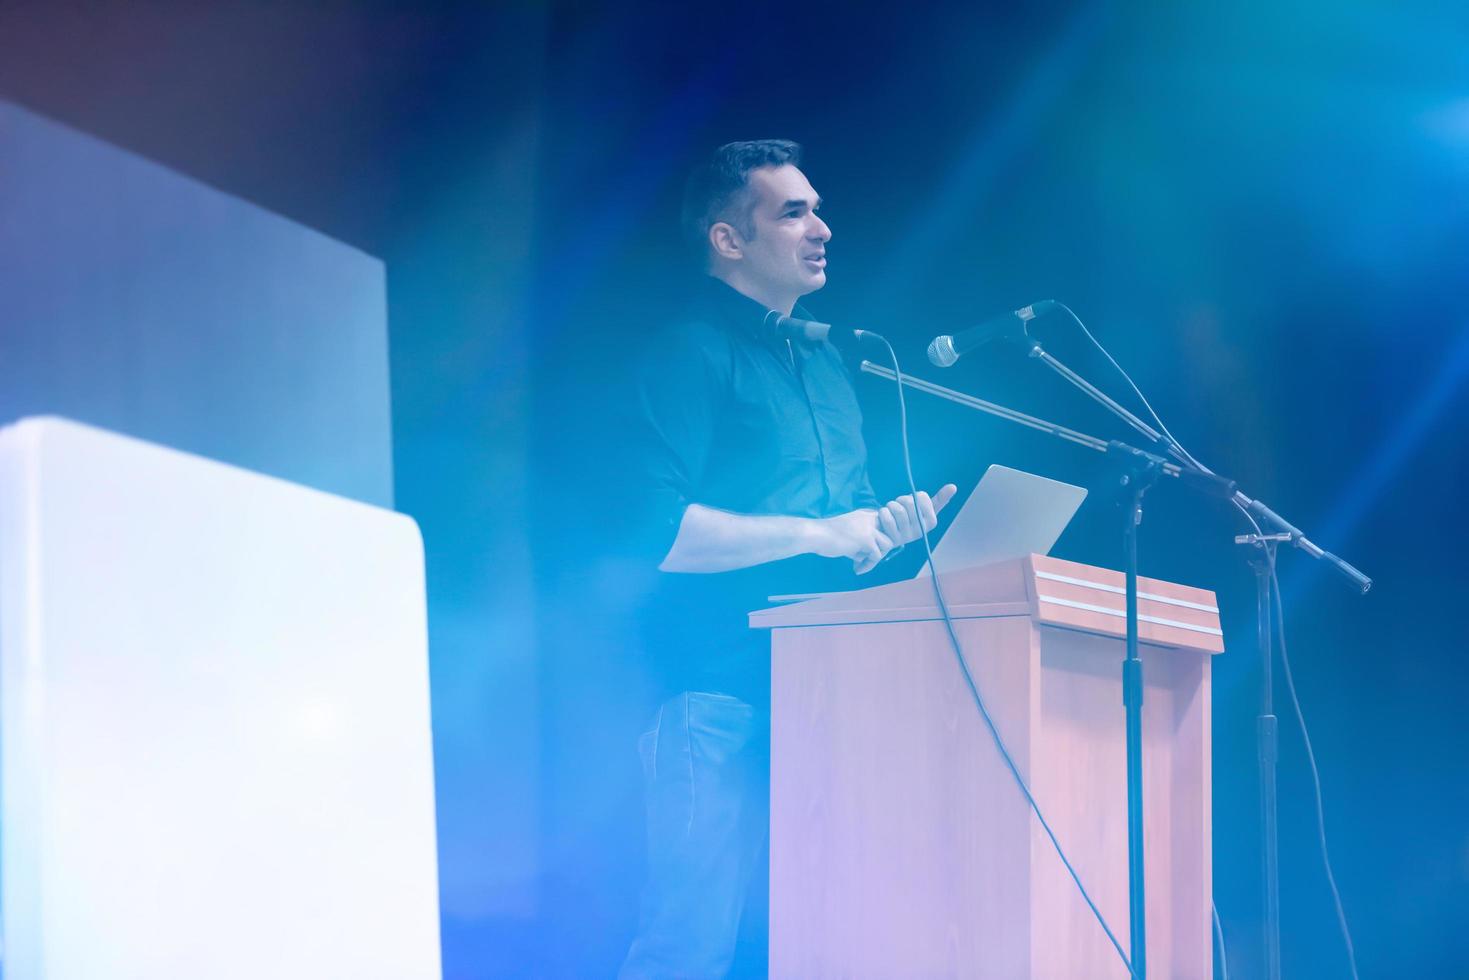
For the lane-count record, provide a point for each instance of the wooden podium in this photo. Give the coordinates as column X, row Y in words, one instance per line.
column 900, row 845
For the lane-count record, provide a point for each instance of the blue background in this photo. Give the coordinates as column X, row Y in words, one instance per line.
column 1259, row 208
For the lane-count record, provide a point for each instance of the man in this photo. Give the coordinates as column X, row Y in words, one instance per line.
column 750, row 454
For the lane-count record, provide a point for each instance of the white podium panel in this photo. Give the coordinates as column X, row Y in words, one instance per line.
column 215, row 753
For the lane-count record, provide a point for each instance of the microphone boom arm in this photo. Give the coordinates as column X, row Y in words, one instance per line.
column 1190, row 473
column 1039, row 424
column 1256, row 508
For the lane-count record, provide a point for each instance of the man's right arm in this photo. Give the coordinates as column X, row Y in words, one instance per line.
column 712, row 540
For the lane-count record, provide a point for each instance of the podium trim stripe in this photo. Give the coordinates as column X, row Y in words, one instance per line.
column 1120, row 614
column 1118, row 590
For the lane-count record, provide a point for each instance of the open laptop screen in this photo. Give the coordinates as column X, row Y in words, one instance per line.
column 1010, row 514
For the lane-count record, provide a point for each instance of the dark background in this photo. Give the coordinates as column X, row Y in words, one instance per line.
column 1260, row 208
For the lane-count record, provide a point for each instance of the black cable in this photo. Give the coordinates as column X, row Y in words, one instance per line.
column 1290, row 684
column 1219, row 934
column 943, row 605
column 1174, row 443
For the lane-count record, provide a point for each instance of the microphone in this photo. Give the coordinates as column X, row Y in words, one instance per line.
column 945, row 350
column 814, row 332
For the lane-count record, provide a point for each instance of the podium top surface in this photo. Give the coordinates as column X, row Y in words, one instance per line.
column 1050, row 591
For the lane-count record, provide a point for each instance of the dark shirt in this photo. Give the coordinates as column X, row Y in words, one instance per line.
column 734, row 417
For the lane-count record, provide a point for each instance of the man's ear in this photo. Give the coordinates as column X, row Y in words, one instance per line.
column 725, row 241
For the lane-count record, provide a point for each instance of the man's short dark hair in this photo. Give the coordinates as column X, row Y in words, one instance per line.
column 717, row 190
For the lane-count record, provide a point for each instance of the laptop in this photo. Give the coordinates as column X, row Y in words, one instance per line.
column 1010, row 514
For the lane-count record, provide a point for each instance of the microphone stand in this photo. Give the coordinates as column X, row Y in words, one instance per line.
column 1141, row 471
column 1137, row 479
column 1262, row 561
column 1266, row 736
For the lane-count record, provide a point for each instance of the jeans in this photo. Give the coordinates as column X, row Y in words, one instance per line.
column 706, row 771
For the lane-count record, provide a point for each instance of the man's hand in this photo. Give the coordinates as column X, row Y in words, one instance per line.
column 853, row 535
column 906, row 519
column 866, row 536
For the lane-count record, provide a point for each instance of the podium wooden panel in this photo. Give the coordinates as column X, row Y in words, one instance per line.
column 900, row 844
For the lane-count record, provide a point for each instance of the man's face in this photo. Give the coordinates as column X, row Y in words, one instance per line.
column 787, row 256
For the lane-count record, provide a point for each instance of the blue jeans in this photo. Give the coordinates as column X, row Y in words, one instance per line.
column 706, row 771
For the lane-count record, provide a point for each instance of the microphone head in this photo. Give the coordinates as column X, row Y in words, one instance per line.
column 1036, row 310
column 794, row 328
column 941, row 351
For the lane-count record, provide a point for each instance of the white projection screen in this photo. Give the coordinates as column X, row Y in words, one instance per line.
column 142, row 301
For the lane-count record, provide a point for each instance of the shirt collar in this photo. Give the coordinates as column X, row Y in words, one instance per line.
column 746, row 314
